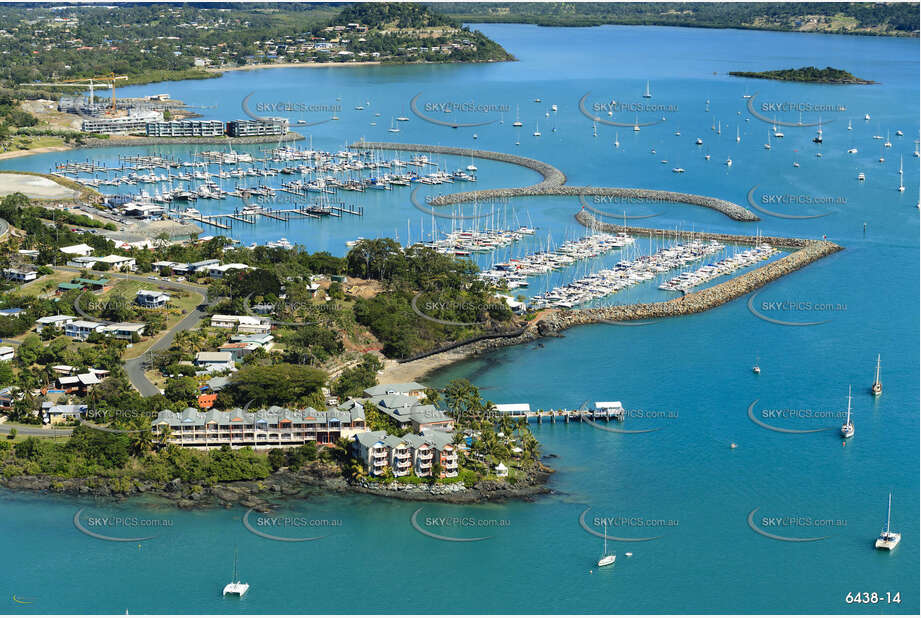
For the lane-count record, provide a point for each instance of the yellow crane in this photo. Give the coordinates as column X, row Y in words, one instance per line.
column 108, row 80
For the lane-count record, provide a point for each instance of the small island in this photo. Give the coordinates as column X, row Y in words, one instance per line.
column 814, row 75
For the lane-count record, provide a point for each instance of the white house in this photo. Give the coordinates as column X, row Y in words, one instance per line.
column 81, row 329
column 151, row 299
column 22, row 275
column 216, row 272
column 56, row 321
column 125, row 330
column 212, row 362
column 243, row 323
column 115, row 262
column 81, row 249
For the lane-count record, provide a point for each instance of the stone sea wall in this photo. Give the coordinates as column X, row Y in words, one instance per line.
column 553, row 183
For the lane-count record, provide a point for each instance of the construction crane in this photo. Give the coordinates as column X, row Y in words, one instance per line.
column 91, row 82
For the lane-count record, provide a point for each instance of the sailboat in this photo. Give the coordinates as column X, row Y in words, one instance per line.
column 647, row 94
column 849, row 127
column 877, row 388
column 537, row 129
column 471, row 167
column 818, row 134
column 517, row 122
column 606, row 558
column 616, row 140
column 636, row 123
column 847, row 429
column 738, row 137
column 235, row 587
column 768, row 145
column 393, row 128
column 757, row 367
column 888, row 539
column 901, row 186
column 888, row 144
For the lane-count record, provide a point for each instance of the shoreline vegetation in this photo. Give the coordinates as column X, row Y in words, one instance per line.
column 899, row 20
column 812, row 75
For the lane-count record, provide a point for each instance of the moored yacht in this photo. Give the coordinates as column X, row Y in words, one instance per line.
column 888, row 539
column 877, row 387
column 847, row 429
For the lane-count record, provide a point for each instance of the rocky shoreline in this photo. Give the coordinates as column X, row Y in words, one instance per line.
column 553, row 183
column 260, row 495
column 553, row 322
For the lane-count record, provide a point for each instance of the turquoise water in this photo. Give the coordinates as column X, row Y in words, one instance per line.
column 694, row 370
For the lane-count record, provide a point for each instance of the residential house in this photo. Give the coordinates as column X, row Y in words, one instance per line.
column 151, row 299
column 218, row 271
column 22, row 274
column 125, row 330
column 214, row 362
column 7, row 353
column 243, row 323
column 81, row 329
column 55, row 321
column 81, row 250
column 56, row 413
column 239, row 350
column 406, row 412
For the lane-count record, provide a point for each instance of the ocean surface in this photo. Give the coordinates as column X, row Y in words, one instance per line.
column 689, row 380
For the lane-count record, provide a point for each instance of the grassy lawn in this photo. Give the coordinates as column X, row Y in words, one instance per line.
column 46, row 284
column 181, row 304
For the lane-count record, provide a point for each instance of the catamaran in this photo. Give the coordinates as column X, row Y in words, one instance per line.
column 888, row 539
column 235, row 587
column 606, row 558
column 877, row 388
column 847, row 429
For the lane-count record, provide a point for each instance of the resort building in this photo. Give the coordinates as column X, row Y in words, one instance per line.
column 407, row 412
column 115, row 262
column 133, row 124
column 410, row 389
column 247, row 128
column 186, row 128
column 267, row 428
column 409, row 454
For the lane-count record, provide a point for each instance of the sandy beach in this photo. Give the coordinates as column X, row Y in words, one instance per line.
column 13, row 154
column 395, row 372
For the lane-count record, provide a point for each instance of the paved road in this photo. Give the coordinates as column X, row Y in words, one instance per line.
column 35, row 430
column 135, row 366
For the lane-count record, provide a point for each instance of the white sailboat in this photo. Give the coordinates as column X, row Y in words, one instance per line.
column 235, row 587
column 636, row 123
column 537, row 129
column 877, row 388
column 738, row 137
column 517, row 122
column 757, row 367
column 818, row 134
column 768, row 145
column 849, row 127
column 647, row 94
column 393, row 128
column 887, row 144
column 847, row 429
column 616, row 140
column 888, row 539
column 901, row 185
column 606, row 558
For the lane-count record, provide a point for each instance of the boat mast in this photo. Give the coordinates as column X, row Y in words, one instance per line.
column 877, row 369
column 889, row 514
column 848, row 422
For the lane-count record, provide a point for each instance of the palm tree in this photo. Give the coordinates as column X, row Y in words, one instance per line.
column 163, row 437
column 141, row 442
